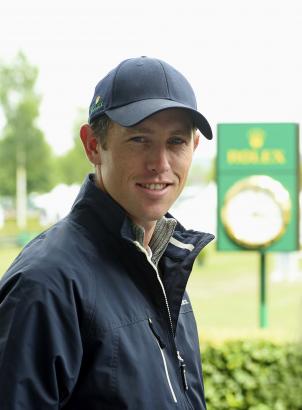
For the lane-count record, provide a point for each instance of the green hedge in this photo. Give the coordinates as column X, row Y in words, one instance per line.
column 253, row 375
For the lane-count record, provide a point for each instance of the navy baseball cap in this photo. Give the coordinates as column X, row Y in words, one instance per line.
column 140, row 87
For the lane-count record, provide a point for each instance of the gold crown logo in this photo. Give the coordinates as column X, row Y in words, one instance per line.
column 256, row 138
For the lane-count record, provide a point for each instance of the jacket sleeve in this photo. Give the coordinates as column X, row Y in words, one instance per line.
column 40, row 345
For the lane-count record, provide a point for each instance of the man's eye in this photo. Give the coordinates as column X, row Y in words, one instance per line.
column 177, row 141
column 138, row 139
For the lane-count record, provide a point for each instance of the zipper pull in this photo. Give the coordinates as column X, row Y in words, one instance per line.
column 183, row 371
column 162, row 345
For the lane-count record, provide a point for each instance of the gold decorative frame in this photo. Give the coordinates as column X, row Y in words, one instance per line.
column 260, row 183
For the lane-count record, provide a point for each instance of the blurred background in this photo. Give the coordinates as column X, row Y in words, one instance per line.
column 244, row 62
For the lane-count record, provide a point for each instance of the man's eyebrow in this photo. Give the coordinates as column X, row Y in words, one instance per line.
column 187, row 129
column 144, row 130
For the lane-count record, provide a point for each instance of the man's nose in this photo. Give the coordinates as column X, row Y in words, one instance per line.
column 158, row 160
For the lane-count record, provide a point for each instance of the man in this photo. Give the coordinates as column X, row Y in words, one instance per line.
column 94, row 313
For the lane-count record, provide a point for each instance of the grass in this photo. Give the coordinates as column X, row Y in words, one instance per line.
column 225, row 296
column 10, row 228
column 224, row 292
column 12, row 238
column 7, row 255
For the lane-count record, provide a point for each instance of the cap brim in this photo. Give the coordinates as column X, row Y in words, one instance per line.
column 131, row 114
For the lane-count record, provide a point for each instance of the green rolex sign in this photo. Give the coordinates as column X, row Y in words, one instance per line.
column 258, row 187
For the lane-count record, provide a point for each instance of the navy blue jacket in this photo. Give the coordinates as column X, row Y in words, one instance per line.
column 86, row 321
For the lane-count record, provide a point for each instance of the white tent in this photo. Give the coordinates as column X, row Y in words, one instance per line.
column 196, row 208
column 56, row 203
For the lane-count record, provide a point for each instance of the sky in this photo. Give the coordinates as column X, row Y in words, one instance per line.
column 243, row 58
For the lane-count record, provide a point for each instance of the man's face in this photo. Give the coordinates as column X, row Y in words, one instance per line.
column 144, row 168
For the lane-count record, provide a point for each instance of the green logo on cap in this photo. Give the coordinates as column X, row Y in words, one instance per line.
column 98, row 103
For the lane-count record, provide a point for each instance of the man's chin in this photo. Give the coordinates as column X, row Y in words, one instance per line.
column 148, row 220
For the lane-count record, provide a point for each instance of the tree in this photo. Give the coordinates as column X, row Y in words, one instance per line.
column 202, row 172
column 25, row 157
column 73, row 166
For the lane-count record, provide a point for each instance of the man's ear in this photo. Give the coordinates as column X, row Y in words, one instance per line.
column 91, row 145
column 196, row 138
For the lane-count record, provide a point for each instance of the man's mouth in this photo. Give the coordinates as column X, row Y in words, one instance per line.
column 154, row 187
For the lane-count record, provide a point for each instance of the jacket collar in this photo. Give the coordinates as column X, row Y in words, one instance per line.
column 102, row 208
column 107, row 211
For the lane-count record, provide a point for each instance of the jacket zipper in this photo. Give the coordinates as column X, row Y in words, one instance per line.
column 142, row 249
column 183, row 371
column 180, row 359
column 161, row 347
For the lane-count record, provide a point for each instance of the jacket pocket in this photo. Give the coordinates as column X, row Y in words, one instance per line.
column 161, row 347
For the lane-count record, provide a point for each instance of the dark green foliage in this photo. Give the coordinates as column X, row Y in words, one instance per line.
column 73, row 166
column 253, row 375
column 22, row 143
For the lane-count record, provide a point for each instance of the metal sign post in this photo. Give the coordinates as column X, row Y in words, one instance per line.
column 263, row 317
